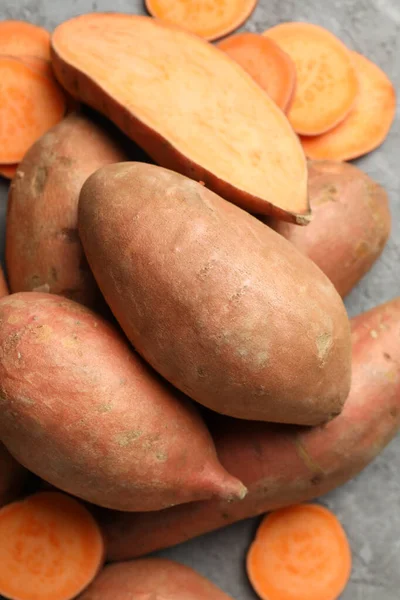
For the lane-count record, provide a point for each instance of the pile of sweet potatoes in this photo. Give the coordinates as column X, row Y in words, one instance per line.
column 175, row 350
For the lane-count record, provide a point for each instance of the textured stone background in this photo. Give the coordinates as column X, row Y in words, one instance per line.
column 369, row 506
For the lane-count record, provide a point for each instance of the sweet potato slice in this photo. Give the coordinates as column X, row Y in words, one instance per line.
column 327, row 83
column 30, row 103
column 368, row 123
column 41, row 65
column 300, row 552
column 210, row 20
column 51, row 548
column 19, row 37
column 268, row 65
column 190, row 107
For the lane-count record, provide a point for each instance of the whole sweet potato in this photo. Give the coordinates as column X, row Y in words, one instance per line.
column 13, row 477
column 151, row 579
column 284, row 465
column 43, row 250
column 218, row 303
column 350, row 226
column 83, row 412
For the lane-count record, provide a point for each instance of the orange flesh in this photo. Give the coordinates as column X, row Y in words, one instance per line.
column 30, row 104
column 209, row 19
column 368, row 123
column 299, row 553
column 39, row 64
column 8, row 171
column 267, row 64
column 44, row 67
column 193, row 96
column 327, row 83
column 51, row 548
column 19, row 37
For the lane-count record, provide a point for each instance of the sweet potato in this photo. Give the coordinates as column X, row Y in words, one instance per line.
column 284, row 465
column 188, row 105
column 13, row 477
column 30, row 104
column 43, row 249
column 82, row 411
column 219, row 304
column 350, row 226
column 51, row 548
column 152, row 579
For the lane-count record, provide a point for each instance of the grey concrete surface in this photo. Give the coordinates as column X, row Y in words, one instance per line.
column 369, row 506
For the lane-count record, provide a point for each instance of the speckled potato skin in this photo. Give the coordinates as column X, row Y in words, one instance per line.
column 81, row 410
column 219, row 304
column 150, row 578
column 43, row 250
column 284, row 465
column 350, row 226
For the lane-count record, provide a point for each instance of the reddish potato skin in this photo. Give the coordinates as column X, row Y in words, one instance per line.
column 282, row 465
column 13, row 477
column 3, row 284
column 152, row 578
column 350, row 226
column 43, row 250
column 82, row 411
column 219, row 304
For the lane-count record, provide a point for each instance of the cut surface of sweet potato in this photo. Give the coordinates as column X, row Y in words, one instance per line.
column 327, row 83
column 190, row 107
column 30, row 104
column 368, row 123
column 208, row 19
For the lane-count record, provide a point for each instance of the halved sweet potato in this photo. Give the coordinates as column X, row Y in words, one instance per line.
column 189, row 105
column 284, row 465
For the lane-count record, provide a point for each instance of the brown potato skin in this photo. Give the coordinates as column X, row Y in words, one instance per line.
column 82, row 411
column 43, row 250
column 219, row 304
column 4, row 291
column 85, row 89
column 150, row 578
column 350, row 226
column 284, row 465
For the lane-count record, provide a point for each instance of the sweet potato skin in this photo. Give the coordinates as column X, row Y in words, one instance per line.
column 43, row 250
column 350, row 226
column 219, row 304
column 82, row 411
column 284, row 465
column 160, row 149
column 152, row 578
